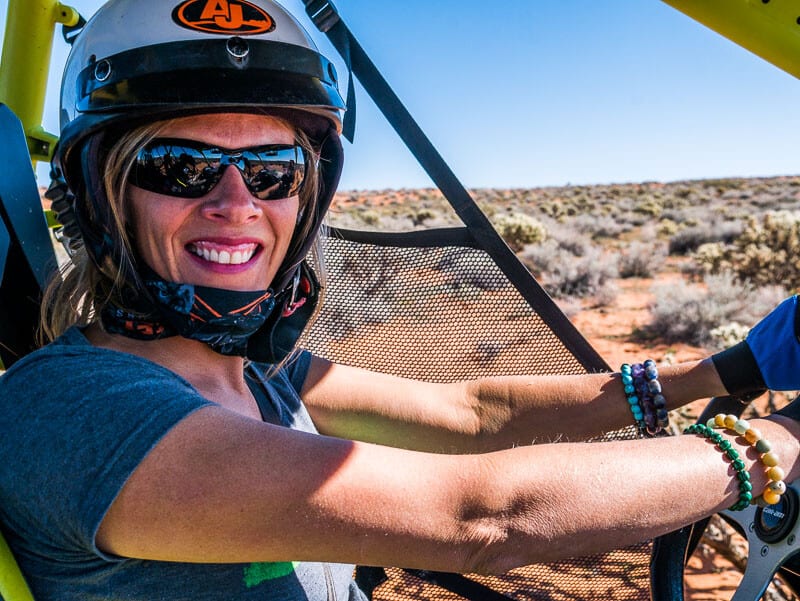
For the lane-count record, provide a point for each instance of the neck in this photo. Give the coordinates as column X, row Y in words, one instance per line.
column 194, row 361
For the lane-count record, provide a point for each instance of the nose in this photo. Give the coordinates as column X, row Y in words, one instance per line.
column 231, row 201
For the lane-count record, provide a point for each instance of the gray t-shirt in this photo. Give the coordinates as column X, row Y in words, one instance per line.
column 76, row 421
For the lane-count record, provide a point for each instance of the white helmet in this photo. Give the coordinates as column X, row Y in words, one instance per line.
column 159, row 58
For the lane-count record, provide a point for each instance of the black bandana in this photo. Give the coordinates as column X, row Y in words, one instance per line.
column 236, row 323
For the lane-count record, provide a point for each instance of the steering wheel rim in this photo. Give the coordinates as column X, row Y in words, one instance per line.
column 773, row 536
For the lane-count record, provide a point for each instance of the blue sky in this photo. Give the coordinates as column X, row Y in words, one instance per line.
column 524, row 93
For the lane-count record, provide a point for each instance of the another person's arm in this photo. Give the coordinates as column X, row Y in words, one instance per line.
column 486, row 414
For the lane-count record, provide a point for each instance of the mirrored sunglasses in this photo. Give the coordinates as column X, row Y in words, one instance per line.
column 190, row 169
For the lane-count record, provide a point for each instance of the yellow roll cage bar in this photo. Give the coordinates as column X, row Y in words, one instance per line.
column 25, row 64
column 768, row 28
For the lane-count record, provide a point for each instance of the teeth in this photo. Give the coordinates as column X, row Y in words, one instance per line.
column 224, row 257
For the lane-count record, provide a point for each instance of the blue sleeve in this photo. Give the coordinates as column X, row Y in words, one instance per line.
column 76, row 423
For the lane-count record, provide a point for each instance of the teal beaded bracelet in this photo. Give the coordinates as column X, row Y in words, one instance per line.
column 630, row 394
column 742, row 475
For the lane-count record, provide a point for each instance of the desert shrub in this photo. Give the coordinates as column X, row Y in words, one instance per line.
column 728, row 334
column 641, row 260
column 564, row 237
column 667, row 227
column 420, row 216
column 691, row 238
column 602, row 226
column 649, row 208
column 631, row 219
column 563, row 274
column 519, row 229
column 767, row 251
column 370, row 216
column 689, row 314
column 578, row 246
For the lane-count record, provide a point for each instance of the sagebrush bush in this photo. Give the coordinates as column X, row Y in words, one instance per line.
column 641, row 259
column 370, row 216
column 650, row 208
column 519, row 229
column 667, row 227
column 688, row 240
column 689, row 314
column 766, row 253
column 563, row 274
column 602, row 226
column 564, row 237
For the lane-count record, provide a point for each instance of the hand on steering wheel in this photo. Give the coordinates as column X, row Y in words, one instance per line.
column 772, row 533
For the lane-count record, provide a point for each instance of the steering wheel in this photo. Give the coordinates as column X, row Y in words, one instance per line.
column 772, row 533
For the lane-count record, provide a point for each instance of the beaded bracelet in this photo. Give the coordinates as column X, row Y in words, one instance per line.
column 742, row 475
column 776, row 486
column 645, row 397
column 644, row 394
column 626, row 372
column 659, row 402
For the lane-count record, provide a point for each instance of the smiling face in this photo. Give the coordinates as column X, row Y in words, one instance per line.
column 228, row 238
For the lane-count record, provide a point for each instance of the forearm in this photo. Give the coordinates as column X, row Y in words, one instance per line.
column 590, row 498
column 514, row 411
column 487, row 414
column 212, row 491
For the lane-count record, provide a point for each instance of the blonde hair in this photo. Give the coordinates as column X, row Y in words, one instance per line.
column 77, row 294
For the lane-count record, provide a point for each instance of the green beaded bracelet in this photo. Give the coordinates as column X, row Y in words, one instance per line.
column 742, row 475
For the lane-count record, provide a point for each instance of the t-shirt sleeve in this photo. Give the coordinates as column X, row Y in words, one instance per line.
column 76, row 425
column 297, row 370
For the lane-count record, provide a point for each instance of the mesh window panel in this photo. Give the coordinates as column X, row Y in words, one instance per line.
column 446, row 313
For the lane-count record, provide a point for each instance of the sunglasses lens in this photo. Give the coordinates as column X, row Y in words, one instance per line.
column 275, row 173
column 175, row 169
column 183, row 169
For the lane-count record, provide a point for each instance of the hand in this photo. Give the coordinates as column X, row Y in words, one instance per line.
column 769, row 357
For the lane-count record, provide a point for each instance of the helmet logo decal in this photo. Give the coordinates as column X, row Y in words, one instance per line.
column 225, row 17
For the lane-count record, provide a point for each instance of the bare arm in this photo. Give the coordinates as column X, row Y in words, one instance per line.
column 224, row 488
column 486, row 414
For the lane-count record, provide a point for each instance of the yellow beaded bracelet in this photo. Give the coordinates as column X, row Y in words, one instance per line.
column 776, row 487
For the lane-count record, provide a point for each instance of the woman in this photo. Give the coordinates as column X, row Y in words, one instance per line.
column 170, row 444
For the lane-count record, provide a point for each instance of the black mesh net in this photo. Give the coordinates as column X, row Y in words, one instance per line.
column 443, row 312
